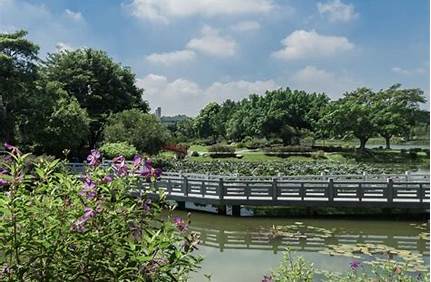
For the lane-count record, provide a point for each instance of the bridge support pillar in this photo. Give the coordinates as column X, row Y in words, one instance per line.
column 236, row 210
column 221, row 210
column 387, row 211
column 181, row 205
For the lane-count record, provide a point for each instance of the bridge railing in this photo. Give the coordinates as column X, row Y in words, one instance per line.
column 388, row 191
column 389, row 188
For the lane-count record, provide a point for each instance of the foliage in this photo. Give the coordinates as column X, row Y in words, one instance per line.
column 221, row 151
column 353, row 113
column 55, row 226
column 395, row 110
column 64, row 125
column 221, row 148
column 100, row 85
column 275, row 167
column 364, row 114
column 18, row 72
column 111, row 150
column 144, row 131
column 253, row 143
column 184, row 129
column 298, row 270
column 292, row 270
column 206, row 124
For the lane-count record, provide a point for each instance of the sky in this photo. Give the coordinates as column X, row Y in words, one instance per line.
column 187, row 53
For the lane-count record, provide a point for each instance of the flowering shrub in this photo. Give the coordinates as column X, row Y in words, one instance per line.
column 96, row 227
column 298, row 270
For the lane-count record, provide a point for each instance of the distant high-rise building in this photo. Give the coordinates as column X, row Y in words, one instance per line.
column 158, row 112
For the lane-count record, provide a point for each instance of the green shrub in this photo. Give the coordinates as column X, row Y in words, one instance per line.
column 55, row 226
column 111, row 150
column 195, row 154
column 254, row 143
column 218, row 148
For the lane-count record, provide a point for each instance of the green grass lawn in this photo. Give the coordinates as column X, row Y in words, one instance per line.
column 198, row 148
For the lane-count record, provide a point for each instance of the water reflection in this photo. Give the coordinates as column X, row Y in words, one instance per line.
column 243, row 249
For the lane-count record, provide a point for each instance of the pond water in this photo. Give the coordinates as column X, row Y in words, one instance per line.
column 245, row 248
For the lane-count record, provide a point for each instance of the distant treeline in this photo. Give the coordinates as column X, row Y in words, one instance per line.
column 289, row 115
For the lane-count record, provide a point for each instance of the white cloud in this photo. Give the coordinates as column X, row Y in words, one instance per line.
column 171, row 58
column 185, row 96
column 164, row 10
column 302, row 44
column 313, row 79
column 212, row 43
column 246, row 26
column 76, row 16
column 61, row 46
column 236, row 90
column 403, row 71
column 337, row 11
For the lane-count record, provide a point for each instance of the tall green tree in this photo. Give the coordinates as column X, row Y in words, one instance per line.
column 57, row 122
column 142, row 130
column 353, row 114
column 18, row 72
column 207, row 123
column 395, row 111
column 100, row 85
column 184, row 129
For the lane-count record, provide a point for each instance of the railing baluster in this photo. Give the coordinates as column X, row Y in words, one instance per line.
column 390, row 190
column 302, row 191
column 185, row 186
column 274, row 189
column 330, row 190
column 221, row 188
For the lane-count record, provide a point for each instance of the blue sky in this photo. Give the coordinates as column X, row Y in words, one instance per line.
column 186, row 53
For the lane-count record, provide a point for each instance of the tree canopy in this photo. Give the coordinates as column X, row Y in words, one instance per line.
column 142, row 130
column 100, row 85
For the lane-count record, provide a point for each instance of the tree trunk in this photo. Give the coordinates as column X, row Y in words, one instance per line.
column 362, row 144
column 388, row 142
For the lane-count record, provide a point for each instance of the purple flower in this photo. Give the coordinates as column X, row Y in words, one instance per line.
column 180, row 224
column 107, row 179
column 14, row 150
column 88, row 189
column 146, row 169
column 137, row 160
column 3, row 182
column 354, row 265
column 79, row 224
column 267, row 278
column 93, row 158
column 120, row 166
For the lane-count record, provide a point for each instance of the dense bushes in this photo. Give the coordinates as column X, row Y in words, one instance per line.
column 253, row 143
column 221, row 151
column 285, row 151
column 111, row 150
column 55, row 226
